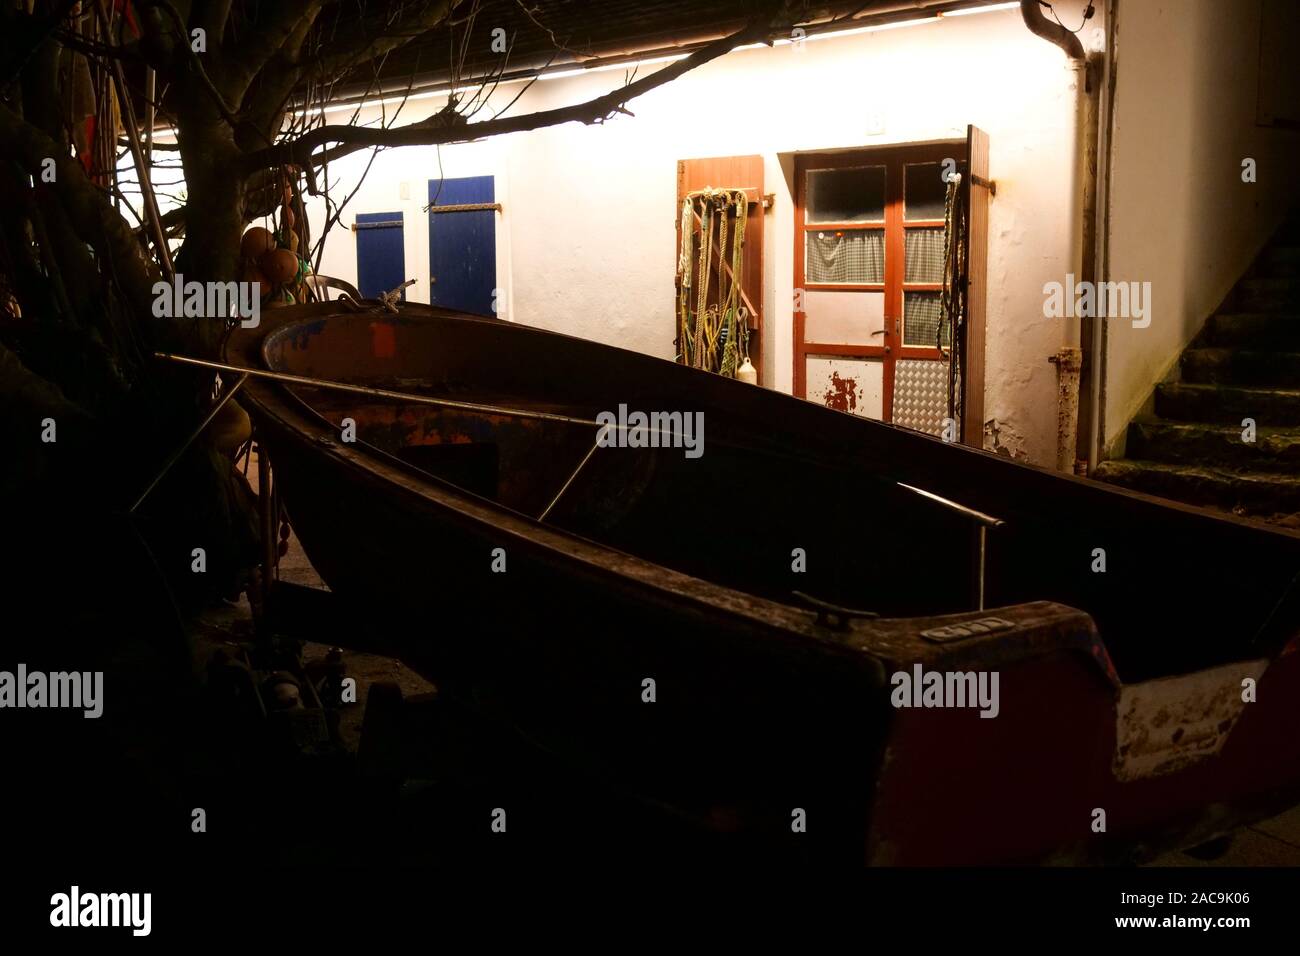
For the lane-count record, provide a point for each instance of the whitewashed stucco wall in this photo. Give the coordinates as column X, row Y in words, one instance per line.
column 586, row 239
column 1181, row 216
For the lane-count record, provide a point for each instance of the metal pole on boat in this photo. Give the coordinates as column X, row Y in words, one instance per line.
column 582, row 464
column 411, row 397
column 379, row 392
column 980, row 545
column 266, row 516
column 207, row 420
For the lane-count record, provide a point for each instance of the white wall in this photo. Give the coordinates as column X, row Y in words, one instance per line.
column 586, row 238
column 1181, row 217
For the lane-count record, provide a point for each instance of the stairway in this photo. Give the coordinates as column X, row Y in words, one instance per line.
column 1245, row 363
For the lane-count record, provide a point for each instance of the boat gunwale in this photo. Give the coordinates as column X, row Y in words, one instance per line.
column 414, row 311
column 770, row 614
column 788, row 622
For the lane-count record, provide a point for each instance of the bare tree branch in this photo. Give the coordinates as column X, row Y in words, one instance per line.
column 129, row 52
column 261, row 45
column 196, row 64
column 292, row 49
column 213, row 18
column 88, row 210
column 30, row 34
column 338, row 58
column 427, row 133
column 531, row 13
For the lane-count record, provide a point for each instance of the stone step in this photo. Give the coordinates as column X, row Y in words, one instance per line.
column 1279, row 261
column 1221, row 446
column 1243, row 492
column 1258, row 329
column 1222, row 366
column 1188, row 402
column 1267, row 295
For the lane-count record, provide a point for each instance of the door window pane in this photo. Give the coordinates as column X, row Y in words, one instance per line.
column 845, row 195
column 923, row 255
column 847, row 255
column 924, row 191
column 922, row 313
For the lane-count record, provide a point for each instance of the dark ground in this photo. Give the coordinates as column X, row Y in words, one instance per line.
column 420, row 791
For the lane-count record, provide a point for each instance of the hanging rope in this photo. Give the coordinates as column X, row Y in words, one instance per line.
column 952, row 299
column 712, row 331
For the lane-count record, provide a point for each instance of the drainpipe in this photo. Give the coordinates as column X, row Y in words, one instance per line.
column 1050, row 30
column 1105, row 108
column 1069, row 359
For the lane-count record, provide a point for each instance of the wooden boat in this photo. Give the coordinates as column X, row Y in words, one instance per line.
column 1148, row 685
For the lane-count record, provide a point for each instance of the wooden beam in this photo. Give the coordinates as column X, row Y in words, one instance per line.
column 972, row 382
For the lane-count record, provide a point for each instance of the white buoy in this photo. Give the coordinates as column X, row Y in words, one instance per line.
column 747, row 372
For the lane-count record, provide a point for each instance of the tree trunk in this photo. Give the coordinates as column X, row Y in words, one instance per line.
column 214, row 213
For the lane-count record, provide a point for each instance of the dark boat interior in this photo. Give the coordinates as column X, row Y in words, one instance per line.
column 1129, row 561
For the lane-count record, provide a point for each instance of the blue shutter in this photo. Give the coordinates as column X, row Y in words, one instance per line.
column 462, row 246
column 381, row 253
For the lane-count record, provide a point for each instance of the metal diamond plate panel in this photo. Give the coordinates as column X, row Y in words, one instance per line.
column 921, row 394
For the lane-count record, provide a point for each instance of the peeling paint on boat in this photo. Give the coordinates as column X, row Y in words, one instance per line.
column 1167, row 724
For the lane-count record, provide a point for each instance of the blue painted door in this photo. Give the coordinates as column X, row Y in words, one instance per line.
column 381, row 254
column 462, row 245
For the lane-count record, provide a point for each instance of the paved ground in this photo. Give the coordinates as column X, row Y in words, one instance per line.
column 368, row 669
column 1274, row 842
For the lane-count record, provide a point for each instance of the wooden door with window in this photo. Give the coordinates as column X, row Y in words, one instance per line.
column 869, row 330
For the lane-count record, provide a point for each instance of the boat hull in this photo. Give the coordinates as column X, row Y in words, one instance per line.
column 743, row 713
